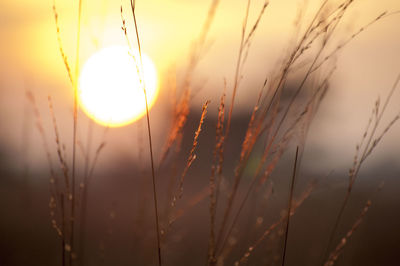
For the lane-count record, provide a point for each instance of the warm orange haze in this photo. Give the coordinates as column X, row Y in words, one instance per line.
column 109, row 91
column 200, row 132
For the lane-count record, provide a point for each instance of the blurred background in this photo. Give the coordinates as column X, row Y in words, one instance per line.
column 120, row 225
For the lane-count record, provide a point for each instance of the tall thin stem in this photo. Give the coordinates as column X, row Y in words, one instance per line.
column 62, row 229
column 84, row 197
column 75, row 124
column 289, row 207
column 353, row 176
column 221, row 230
column 238, row 67
column 150, row 141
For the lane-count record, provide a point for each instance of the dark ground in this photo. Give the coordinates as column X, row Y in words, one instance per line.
column 121, row 226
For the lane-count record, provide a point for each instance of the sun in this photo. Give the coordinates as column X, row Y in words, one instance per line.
column 110, row 90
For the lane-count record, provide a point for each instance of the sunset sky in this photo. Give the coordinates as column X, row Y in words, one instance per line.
column 30, row 60
column 216, row 184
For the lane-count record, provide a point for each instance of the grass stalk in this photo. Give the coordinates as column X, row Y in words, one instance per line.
column 339, row 248
column 238, row 67
column 150, row 139
column 268, row 231
column 289, row 207
column 62, row 229
column 371, row 143
column 278, row 88
column 74, row 137
column 215, row 177
column 237, row 78
column 84, row 196
column 334, row 255
column 262, row 119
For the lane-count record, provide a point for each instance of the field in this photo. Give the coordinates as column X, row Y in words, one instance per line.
column 200, row 132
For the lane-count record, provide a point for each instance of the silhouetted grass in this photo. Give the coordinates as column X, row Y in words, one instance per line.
column 273, row 126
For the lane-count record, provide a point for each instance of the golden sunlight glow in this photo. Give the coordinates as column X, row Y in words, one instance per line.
column 110, row 90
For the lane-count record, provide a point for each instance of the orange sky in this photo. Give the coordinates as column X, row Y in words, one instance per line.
column 30, row 57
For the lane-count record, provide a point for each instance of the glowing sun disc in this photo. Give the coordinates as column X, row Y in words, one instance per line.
column 110, row 90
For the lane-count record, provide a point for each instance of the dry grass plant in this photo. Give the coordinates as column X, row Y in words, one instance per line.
column 275, row 123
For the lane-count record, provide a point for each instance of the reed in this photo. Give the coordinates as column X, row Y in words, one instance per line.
column 334, row 255
column 368, row 143
column 273, row 127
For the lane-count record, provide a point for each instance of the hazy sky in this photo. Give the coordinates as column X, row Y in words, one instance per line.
column 30, row 60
